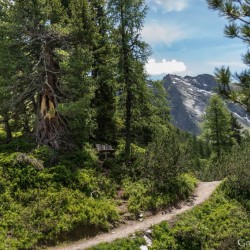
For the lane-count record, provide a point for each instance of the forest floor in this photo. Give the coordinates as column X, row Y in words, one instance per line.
column 202, row 192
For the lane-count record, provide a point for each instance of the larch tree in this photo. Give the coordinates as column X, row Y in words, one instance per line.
column 217, row 125
column 103, row 73
column 127, row 19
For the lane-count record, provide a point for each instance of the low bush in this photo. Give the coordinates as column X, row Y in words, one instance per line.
column 142, row 196
column 218, row 224
column 44, row 215
column 121, row 244
column 138, row 195
column 95, row 184
column 42, row 205
column 20, row 143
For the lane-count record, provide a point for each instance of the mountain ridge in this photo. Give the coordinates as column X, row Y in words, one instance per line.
column 189, row 97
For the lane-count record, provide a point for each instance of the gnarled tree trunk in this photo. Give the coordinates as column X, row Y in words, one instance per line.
column 49, row 126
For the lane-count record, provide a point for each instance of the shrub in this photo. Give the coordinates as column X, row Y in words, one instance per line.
column 84, row 158
column 217, row 224
column 44, row 215
column 238, row 167
column 141, row 196
column 138, row 195
column 94, row 184
column 164, row 160
column 21, row 143
column 121, row 244
column 46, row 154
column 43, row 205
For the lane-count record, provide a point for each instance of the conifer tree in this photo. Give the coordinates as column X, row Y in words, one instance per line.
column 236, row 128
column 103, row 73
column 217, row 125
column 223, row 77
column 55, row 40
column 128, row 17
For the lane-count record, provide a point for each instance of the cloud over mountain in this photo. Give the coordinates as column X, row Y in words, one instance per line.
column 164, row 67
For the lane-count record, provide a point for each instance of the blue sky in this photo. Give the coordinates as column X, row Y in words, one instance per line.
column 187, row 38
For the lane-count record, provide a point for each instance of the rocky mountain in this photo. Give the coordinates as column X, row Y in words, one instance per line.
column 189, row 97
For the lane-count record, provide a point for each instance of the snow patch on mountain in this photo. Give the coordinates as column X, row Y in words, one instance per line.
column 189, row 97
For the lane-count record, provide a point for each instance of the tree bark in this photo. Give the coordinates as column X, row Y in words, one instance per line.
column 49, row 127
column 7, row 127
column 127, row 81
column 217, row 133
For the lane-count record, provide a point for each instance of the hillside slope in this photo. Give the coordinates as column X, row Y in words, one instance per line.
column 202, row 193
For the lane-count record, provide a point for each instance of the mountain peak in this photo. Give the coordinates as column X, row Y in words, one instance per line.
column 189, row 97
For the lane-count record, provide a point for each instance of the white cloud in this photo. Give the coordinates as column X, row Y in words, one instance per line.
column 154, row 33
column 164, row 67
column 171, row 5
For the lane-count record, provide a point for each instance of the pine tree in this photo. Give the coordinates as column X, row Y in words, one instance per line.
column 223, row 77
column 244, row 81
column 127, row 17
column 217, row 125
column 238, row 13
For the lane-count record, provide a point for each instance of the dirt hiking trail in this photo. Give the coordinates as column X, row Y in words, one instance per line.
column 202, row 192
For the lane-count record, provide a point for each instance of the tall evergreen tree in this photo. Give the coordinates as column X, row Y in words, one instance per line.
column 217, row 125
column 128, row 17
column 103, row 73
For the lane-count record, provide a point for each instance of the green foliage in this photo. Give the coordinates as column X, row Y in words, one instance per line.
column 44, row 214
column 217, row 224
column 166, row 156
column 138, row 195
column 223, row 77
column 46, row 154
column 121, row 244
column 94, row 184
column 217, row 125
column 127, row 19
column 236, row 166
column 45, row 205
column 141, row 196
column 19, row 143
column 85, row 157
column 2, row 134
column 89, row 154
column 61, row 175
column 237, row 12
column 122, row 167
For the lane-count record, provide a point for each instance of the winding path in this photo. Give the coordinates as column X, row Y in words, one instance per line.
column 201, row 194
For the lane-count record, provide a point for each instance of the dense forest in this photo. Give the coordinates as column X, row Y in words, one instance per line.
column 73, row 80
